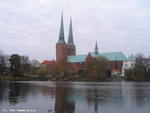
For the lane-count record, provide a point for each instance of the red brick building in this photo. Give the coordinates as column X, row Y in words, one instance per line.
column 48, row 64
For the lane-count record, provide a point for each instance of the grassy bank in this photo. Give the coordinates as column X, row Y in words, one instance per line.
column 21, row 78
column 69, row 78
column 56, row 79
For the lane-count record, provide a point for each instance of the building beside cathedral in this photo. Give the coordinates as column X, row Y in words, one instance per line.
column 66, row 52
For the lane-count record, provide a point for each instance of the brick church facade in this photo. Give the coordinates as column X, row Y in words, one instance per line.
column 66, row 52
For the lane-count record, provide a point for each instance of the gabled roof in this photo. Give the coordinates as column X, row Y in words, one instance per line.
column 112, row 56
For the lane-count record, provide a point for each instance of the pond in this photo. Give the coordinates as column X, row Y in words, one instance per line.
column 74, row 97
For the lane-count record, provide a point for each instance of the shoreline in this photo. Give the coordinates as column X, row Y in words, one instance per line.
column 25, row 78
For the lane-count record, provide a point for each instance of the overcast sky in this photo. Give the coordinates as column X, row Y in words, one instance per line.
column 31, row 27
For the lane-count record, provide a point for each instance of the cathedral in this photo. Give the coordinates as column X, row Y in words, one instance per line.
column 66, row 52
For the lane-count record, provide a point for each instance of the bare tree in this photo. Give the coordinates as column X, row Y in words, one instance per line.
column 35, row 63
column 4, row 64
column 25, row 64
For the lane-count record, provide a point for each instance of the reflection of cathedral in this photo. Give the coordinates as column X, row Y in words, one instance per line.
column 64, row 103
column 66, row 52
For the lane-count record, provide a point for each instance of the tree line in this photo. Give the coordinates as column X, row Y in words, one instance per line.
column 141, row 69
column 93, row 68
column 17, row 65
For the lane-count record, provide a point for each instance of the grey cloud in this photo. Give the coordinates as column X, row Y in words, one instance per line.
column 31, row 26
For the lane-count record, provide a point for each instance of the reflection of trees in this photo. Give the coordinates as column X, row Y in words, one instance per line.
column 142, row 95
column 135, row 94
column 92, row 98
column 47, row 90
column 2, row 91
column 14, row 91
column 64, row 102
column 118, row 95
column 18, row 91
column 96, row 100
column 104, row 96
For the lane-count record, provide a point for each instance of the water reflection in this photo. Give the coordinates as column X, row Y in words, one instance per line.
column 137, row 95
column 14, row 92
column 9, row 92
column 65, row 102
column 76, row 97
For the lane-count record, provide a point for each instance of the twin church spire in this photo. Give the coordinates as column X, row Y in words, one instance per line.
column 70, row 36
column 61, row 33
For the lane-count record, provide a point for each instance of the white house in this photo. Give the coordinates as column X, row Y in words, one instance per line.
column 127, row 64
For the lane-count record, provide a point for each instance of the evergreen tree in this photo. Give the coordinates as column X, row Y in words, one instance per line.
column 15, row 65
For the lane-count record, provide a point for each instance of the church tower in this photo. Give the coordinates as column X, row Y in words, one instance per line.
column 61, row 46
column 71, row 46
column 96, row 49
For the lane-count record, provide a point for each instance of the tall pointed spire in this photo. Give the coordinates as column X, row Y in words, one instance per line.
column 70, row 35
column 96, row 49
column 61, row 32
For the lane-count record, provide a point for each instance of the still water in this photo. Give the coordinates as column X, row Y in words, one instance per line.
column 74, row 97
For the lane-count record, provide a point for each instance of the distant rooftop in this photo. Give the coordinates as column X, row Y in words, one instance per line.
column 48, row 62
column 129, row 58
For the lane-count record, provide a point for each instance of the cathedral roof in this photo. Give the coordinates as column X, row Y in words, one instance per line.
column 76, row 58
column 112, row 56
